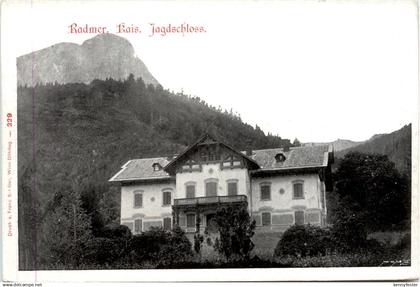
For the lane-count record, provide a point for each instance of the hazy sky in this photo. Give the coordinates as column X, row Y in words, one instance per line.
column 313, row 70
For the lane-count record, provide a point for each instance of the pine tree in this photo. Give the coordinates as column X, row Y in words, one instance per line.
column 65, row 231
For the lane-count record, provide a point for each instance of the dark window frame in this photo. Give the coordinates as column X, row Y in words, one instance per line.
column 189, row 215
column 303, row 217
column 229, row 182
column 170, row 223
column 165, row 192
column 190, row 184
column 297, row 183
column 138, row 193
column 211, row 181
column 135, row 225
column 262, row 186
column 264, row 221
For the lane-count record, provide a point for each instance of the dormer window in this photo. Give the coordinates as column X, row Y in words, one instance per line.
column 157, row 166
column 280, row 157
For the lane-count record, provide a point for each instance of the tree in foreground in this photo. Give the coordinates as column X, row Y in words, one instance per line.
column 235, row 229
column 371, row 189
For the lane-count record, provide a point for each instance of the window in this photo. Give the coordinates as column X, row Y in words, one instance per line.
column 190, row 191
column 157, row 166
column 280, row 157
column 209, row 153
column 266, row 218
column 232, row 188
column 138, row 226
column 138, row 200
column 211, row 188
column 265, row 191
column 191, row 220
column 167, row 197
column 299, row 217
column 298, row 190
column 231, row 162
column 167, row 223
column 191, row 165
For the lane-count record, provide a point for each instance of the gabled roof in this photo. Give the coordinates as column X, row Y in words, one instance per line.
column 142, row 169
column 206, row 137
column 263, row 161
column 296, row 157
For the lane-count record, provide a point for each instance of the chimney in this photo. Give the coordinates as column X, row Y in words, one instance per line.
column 248, row 151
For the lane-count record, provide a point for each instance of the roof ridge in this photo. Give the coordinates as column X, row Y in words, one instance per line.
column 162, row 157
column 267, row 149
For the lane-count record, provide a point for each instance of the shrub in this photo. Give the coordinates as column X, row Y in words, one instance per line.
column 112, row 245
column 303, row 240
column 235, row 231
column 198, row 242
column 161, row 247
column 116, row 231
column 100, row 250
column 404, row 242
column 177, row 249
column 332, row 260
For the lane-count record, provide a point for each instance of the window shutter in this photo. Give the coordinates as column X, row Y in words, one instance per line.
column 138, row 200
column 167, row 198
column 265, row 192
column 266, row 218
column 211, row 189
column 138, row 224
column 190, row 191
column 299, row 218
column 167, row 223
column 298, row 190
column 191, row 220
column 232, row 188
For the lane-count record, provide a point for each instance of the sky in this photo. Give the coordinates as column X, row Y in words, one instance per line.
column 312, row 70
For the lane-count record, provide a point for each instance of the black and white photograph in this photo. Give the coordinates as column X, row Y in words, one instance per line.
column 279, row 138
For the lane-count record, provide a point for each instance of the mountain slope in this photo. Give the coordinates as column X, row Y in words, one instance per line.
column 338, row 145
column 396, row 145
column 101, row 57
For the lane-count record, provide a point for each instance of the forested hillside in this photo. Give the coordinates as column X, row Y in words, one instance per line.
column 396, row 145
column 73, row 137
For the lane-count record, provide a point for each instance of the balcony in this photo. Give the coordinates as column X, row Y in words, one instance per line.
column 209, row 200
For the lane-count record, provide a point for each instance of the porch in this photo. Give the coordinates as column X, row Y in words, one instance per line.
column 195, row 214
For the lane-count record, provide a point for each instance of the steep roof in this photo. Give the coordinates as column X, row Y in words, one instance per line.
column 142, row 169
column 264, row 159
column 205, row 138
column 295, row 157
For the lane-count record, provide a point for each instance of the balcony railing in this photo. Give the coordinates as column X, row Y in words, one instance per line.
column 210, row 200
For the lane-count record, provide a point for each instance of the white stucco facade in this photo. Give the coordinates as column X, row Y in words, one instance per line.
column 212, row 172
column 282, row 203
column 279, row 187
column 152, row 210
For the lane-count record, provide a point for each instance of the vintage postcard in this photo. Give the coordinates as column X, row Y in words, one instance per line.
column 209, row 141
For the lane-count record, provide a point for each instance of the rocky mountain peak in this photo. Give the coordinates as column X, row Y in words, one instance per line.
column 103, row 56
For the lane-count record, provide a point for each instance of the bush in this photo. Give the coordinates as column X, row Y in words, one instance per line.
column 112, row 245
column 100, row 250
column 333, row 260
column 115, row 231
column 235, row 232
column 304, row 240
column 161, row 247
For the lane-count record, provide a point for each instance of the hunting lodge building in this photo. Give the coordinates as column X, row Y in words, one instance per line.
column 280, row 186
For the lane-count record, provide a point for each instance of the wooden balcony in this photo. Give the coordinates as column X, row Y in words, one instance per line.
column 209, row 200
